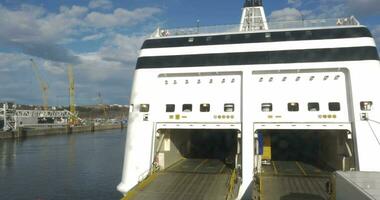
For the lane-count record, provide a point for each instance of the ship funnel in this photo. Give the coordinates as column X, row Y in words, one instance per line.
column 253, row 16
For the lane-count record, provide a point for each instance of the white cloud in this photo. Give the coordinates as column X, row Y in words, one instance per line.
column 74, row 11
column 121, row 48
column 377, row 32
column 96, row 36
column 286, row 14
column 34, row 32
column 37, row 32
column 120, row 17
column 96, row 69
column 54, row 68
column 296, row 3
column 92, row 75
column 339, row 8
column 376, row 35
column 103, row 4
column 17, row 79
column 363, row 7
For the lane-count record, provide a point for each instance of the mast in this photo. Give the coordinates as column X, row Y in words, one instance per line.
column 253, row 16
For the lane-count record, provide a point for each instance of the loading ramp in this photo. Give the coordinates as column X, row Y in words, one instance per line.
column 191, row 179
column 293, row 180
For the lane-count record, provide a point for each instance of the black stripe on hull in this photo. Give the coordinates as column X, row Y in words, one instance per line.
column 337, row 33
column 268, row 57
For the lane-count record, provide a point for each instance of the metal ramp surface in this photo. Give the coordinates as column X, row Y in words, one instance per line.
column 190, row 179
column 292, row 180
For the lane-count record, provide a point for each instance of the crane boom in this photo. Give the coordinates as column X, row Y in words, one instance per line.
column 70, row 75
column 43, row 85
column 104, row 106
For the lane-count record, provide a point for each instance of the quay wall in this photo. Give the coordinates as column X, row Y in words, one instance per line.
column 32, row 132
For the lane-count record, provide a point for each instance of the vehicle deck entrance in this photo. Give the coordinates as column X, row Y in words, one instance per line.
column 298, row 164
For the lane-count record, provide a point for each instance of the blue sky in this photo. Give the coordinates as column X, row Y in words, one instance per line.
column 101, row 38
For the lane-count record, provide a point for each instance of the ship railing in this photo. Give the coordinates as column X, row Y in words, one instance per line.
column 43, row 126
column 272, row 25
column 43, row 113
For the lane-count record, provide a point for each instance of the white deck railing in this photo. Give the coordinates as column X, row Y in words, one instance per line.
column 232, row 28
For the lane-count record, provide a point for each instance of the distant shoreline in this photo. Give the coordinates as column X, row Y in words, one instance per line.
column 25, row 133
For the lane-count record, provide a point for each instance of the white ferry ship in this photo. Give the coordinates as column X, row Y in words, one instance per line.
column 258, row 110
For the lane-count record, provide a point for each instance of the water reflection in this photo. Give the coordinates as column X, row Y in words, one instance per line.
column 78, row 166
column 8, row 153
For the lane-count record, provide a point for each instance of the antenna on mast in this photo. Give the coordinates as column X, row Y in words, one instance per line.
column 253, row 3
column 253, row 16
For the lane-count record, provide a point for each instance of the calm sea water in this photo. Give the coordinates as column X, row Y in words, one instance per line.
column 78, row 166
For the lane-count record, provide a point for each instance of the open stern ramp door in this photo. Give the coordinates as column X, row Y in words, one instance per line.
column 191, row 164
column 298, row 164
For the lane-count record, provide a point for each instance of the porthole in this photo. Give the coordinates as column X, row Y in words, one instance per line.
column 334, row 106
column 313, row 107
column 205, row 107
column 170, row 107
column 229, row 107
column 293, row 107
column 144, row 108
column 187, row 107
column 266, row 107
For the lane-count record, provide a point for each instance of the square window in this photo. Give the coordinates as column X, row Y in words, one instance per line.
column 170, row 107
column 366, row 105
column 334, row 106
column 266, row 107
column 187, row 107
column 229, row 107
column 313, row 107
column 205, row 107
column 293, row 107
column 144, row 108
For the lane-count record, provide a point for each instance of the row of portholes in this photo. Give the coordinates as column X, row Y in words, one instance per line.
column 294, row 107
column 314, row 106
column 298, row 78
column 199, row 81
column 261, row 79
column 265, row 107
column 204, row 107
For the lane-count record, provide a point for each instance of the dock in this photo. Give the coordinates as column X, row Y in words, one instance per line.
column 32, row 132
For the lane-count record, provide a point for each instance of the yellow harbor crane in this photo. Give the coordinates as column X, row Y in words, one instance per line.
column 70, row 74
column 43, row 85
column 102, row 105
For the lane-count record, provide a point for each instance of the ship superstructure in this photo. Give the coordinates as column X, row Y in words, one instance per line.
column 238, row 112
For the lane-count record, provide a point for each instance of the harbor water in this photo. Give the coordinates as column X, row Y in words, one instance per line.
column 77, row 166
